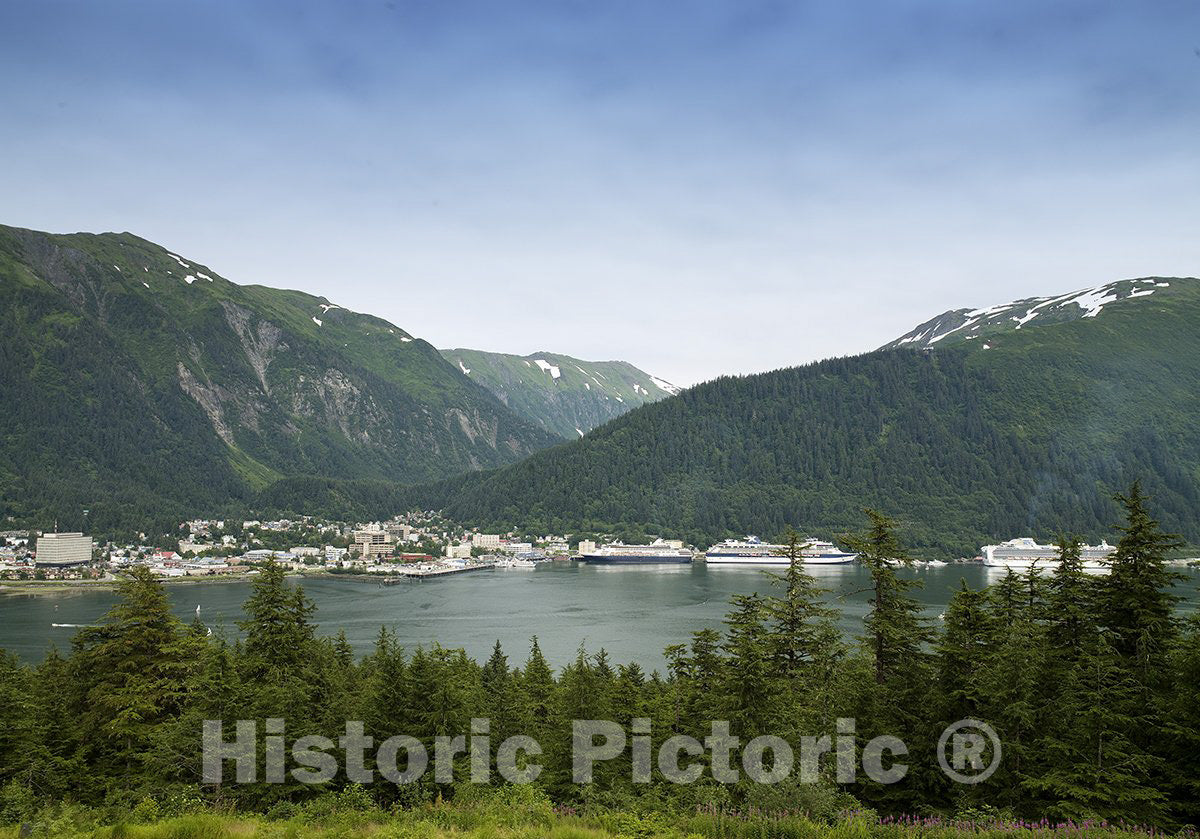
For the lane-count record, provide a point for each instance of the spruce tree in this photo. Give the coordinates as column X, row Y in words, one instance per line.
column 131, row 667
column 500, row 695
column 800, row 622
column 749, row 683
column 963, row 653
column 387, row 693
column 1139, row 605
column 896, row 630
column 1095, row 767
column 1182, row 724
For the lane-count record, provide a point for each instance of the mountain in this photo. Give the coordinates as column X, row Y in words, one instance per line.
column 961, row 325
column 563, row 395
column 137, row 382
column 1013, row 432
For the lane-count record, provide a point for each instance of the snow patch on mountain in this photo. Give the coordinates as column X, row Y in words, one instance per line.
column 664, row 385
column 317, row 321
column 466, row 370
column 1094, row 300
column 547, row 367
column 1082, row 303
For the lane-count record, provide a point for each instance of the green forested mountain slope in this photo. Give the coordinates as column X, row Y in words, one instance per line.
column 1029, row 432
column 137, row 382
column 564, row 395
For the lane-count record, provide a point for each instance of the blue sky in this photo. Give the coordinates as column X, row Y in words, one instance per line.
column 699, row 188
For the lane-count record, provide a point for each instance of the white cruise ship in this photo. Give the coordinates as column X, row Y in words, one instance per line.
column 752, row 551
column 1025, row 554
column 658, row 551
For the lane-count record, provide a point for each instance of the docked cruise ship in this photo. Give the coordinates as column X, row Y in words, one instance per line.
column 752, row 551
column 1024, row 554
column 659, row 551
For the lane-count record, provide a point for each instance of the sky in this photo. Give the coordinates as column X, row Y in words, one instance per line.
column 699, row 188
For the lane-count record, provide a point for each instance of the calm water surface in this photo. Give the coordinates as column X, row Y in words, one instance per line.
column 633, row 612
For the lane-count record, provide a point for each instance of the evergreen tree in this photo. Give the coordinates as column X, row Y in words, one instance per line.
column 1094, row 766
column 896, row 630
column 963, row 653
column 131, row 668
column 537, row 692
column 1139, row 606
column 1072, row 604
column 799, row 619
column 279, row 653
column 16, row 717
column 1182, row 725
column 387, row 690
column 750, row 686
column 500, row 695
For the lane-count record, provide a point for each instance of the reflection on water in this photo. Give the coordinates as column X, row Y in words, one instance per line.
column 632, row 611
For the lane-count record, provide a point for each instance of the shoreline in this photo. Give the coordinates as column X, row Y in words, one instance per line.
column 52, row 586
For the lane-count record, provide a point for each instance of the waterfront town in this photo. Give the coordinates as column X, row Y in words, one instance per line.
column 411, row 545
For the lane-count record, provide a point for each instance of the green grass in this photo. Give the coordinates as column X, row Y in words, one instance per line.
column 444, row 823
column 514, row 813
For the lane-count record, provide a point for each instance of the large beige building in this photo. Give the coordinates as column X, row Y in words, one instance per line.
column 64, row 549
column 369, row 543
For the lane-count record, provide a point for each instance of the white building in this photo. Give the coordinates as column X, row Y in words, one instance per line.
column 485, row 540
column 462, row 551
column 59, row 549
column 587, row 546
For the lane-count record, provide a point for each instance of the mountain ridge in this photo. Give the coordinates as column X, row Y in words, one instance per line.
column 565, row 395
column 960, row 325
